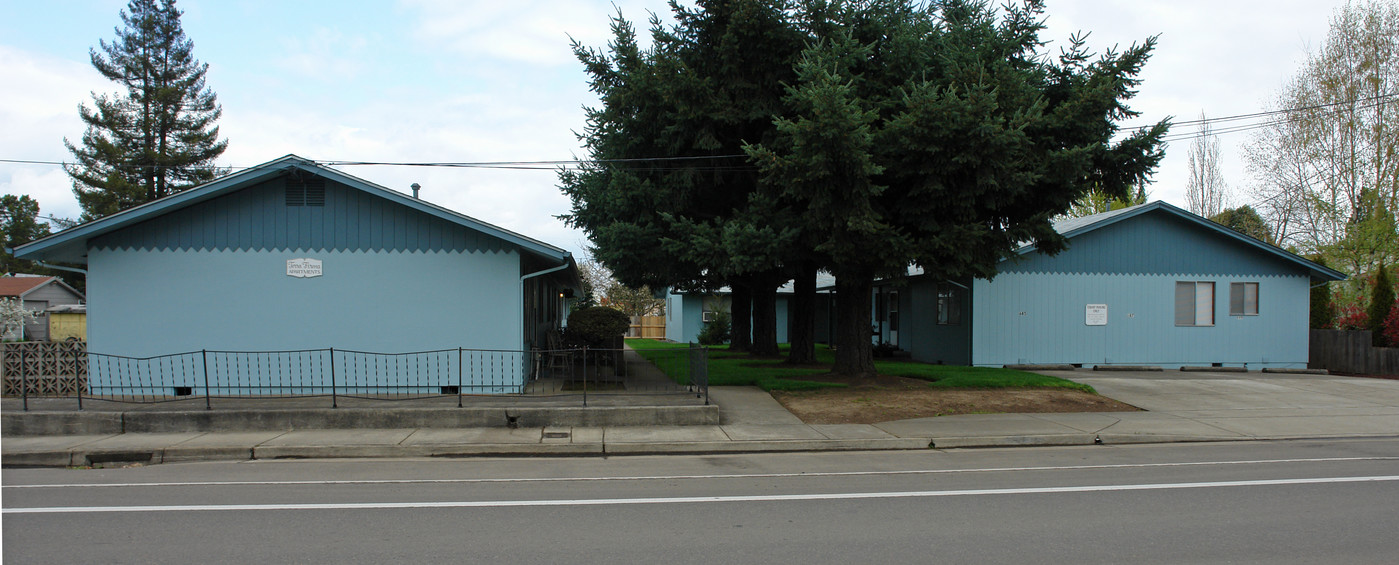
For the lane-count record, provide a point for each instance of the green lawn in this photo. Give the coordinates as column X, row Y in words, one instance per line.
column 726, row 368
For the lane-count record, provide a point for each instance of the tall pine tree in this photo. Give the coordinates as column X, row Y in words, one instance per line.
column 159, row 137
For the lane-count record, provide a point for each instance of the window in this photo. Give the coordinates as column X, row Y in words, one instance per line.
column 1194, row 304
column 894, row 311
column 1243, row 299
column 949, row 309
column 708, row 316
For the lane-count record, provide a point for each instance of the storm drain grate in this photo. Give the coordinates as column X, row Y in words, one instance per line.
column 555, row 435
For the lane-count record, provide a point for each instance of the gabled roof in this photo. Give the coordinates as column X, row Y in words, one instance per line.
column 71, row 244
column 19, row 287
column 1073, row 227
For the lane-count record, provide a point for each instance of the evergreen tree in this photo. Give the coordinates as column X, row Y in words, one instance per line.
column 938, row 135
column 1323, row 307
column 683, row 216
column 1381, row 301
column 19, row 224
column 1245, row 220
column 157, row 138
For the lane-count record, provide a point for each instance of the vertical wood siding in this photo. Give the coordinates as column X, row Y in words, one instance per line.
column 257, row 218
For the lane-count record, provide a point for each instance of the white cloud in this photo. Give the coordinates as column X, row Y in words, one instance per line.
column 1223, row 58
column 324, row 53
column 530, row 31
column 39, row 107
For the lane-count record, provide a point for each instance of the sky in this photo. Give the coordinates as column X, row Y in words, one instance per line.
column 482, row 81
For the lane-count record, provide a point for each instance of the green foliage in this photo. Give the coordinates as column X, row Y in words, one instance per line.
column 1323, row 308
column 1326, row 176
column 1245, row 220
column 884, row 133
column 729, row 368
column 1381, row 302
column 1097, row 202
column 19, row 224
column 939, row 135
column 596, row 326
column 716, row 331
column 159, row 136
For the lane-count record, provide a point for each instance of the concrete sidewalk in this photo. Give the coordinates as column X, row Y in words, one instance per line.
column 1179, row 407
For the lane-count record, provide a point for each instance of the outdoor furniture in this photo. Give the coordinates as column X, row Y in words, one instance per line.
column 557, row 356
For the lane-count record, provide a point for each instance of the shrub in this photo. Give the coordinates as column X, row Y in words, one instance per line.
column 1352, row 317
column 1381, row 301
column 1391, row 326
column 595, row 326
column 1323, row 309
column 716, row 331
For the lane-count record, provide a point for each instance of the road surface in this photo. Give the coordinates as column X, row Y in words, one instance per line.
column 1266, row 502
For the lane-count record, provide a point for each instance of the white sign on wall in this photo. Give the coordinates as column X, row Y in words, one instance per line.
column 1096, row 315
column 303, row 268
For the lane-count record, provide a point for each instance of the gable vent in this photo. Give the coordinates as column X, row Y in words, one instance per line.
column 306, row 192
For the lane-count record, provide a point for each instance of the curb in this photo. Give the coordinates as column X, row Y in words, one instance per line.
column 1296, row 371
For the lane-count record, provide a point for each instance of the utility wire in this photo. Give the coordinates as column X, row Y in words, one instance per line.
column 1273, row 118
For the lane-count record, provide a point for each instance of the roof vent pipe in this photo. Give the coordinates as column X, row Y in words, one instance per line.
column 415, row 187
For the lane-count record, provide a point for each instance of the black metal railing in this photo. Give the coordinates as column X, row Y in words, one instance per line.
column 341, row 373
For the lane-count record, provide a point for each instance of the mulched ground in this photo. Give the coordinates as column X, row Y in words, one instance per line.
column 887, row 398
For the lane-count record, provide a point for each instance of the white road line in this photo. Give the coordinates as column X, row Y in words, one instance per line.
column 697, row 477
column 692, row 499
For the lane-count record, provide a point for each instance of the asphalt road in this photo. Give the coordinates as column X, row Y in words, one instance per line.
column 1267, row 502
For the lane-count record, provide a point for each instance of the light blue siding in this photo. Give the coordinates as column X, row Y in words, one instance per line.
column 685, row 315
column 146, row 303
column 1154, row 243
column 1040, row 318
column 680, row 310
column 257, row 218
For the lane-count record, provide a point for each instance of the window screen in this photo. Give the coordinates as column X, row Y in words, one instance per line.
column 1194, row 304
column 1243, row 299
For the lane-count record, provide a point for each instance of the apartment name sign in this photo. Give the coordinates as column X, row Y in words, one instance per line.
column 303, row 268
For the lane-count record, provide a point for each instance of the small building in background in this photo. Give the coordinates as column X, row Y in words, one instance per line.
column 68, row 322
column 38, row 294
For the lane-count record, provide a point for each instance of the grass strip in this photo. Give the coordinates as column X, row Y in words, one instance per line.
column 736, row 368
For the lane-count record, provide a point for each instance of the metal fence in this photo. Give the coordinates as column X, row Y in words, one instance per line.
column 340, row 373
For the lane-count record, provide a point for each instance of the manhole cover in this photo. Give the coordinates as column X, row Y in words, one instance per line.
column 555, row 435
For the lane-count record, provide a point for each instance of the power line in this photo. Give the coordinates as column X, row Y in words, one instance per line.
column 1274, row 117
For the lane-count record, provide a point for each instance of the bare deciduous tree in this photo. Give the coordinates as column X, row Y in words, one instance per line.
column 1326, row 176
column 1205, row 189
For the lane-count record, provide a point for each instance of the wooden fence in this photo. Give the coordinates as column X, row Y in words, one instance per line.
column 647, row 326
column 1349, row 351
column 46, row 368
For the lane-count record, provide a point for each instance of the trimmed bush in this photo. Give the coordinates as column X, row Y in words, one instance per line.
column 596, row 326
column 716, row 332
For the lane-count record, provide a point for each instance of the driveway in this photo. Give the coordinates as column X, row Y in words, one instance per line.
column 1257, row 404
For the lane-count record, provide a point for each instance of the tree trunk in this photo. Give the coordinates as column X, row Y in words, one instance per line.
column 742, row 312
column 854, row 354
column 802, row 333
column 765, row 314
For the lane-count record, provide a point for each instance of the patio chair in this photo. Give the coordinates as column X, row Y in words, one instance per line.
column 557, row 356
